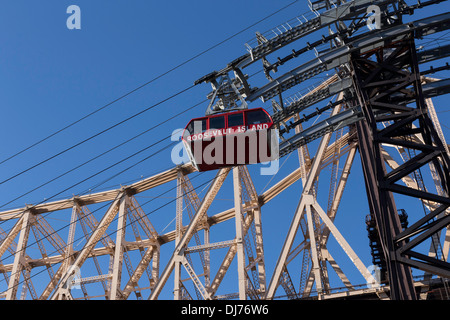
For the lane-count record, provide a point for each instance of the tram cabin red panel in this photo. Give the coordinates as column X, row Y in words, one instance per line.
column 229, row 139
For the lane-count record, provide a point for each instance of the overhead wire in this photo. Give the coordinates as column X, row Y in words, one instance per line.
column 105, row 152
column 97, row 134
column 132, row 138
column 105, row 130
column 115, row 147
column 129, row 93
column 110, row 177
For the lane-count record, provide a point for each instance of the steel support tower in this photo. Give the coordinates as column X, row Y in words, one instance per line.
column 386, row 79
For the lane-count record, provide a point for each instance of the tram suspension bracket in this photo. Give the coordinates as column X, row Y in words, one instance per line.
column 228, row 94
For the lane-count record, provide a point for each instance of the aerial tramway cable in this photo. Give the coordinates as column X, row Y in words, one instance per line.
column 126, row 95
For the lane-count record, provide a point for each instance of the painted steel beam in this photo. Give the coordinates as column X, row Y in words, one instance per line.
column 118, row 250
column 104, row 196
column 18, row 266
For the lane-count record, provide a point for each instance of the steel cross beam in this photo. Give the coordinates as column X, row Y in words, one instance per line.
column 379, row 75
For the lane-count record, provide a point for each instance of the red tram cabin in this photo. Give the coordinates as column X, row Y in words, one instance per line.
column 229, row 139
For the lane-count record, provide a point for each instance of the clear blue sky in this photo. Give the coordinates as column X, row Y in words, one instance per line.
column 52, row 76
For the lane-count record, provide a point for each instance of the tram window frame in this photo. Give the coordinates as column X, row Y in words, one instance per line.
column 189, row 131
column 191, row 126
column 235, row 116
column 214, row 119
column 250, row 121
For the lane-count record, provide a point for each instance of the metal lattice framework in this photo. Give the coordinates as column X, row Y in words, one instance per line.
column 382, row 110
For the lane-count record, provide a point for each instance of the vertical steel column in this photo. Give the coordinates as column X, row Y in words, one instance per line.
column 313, row 245
column 118, row 250
column 178, row 234
column 260, row 251
column 207, row 258
column 155, row 264
column 19, row 256
column 239, row 234
column 70, row 239
column 381, row 201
